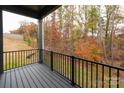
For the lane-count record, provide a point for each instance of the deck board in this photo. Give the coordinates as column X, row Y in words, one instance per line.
column 33, row 76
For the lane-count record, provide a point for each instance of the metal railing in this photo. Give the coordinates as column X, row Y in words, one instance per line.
column 85, row 73
column 15, row 59
column 81, row 72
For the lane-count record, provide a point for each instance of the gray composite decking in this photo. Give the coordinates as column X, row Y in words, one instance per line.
column 33, row 76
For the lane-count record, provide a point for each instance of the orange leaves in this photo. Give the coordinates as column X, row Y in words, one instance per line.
column 88, row 49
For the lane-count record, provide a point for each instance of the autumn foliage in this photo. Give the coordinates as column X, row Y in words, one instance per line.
column 88, row 49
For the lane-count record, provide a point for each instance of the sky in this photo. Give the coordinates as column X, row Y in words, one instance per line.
column 11, row 21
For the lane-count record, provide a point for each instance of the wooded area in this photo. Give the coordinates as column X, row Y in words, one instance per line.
column 90, row 32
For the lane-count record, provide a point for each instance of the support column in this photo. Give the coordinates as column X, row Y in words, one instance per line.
column 1, row 41
column 41, row 40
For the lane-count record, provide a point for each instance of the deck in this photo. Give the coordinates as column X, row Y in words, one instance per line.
column 33, row 76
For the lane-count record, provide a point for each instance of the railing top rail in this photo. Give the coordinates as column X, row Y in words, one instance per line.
column 106, row 65
column 21, row 50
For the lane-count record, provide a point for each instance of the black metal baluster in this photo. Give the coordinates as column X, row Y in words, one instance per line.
column 31, row 56
column 86, row 74
column 109, row 77
column 96, row 75
column 63, row 65
column 54, row 66
column 36, row 55
column 51, row 55
column 72, row 70
column 82, row 74
column 102, row 76
column 47, row 54
column 68, row 63
column 16, row 58
column 23, row 53
column 91, row 74
column 29, row 59
column 75, row 71
column 21, row 58
column 60, row 64
column 26, row 57
column 79, row 72
column 66, row 66
column 6, row 61
column 70, row 66
column 11, row 59
column 57, row 61
column 117, row 78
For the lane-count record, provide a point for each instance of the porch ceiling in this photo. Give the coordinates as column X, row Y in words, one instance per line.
column 34, row 11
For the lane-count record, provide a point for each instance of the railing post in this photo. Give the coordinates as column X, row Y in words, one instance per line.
column 41, row 40
column 1, row 41
column 51, row 59
column 72, row 69
column 41, row 56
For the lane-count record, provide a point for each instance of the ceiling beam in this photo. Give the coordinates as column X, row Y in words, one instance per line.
column 40, row 14
column 20, row 10
column 47, row 10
